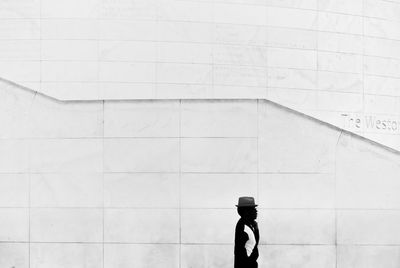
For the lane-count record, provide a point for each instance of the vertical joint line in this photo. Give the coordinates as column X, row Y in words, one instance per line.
column 266, row 52
column 40, row 44
column 180, row 183
column 363, row 59
column 335, row 198
column 29, row 214
column 258, row 157
column 317, row 51
column 213, row 44
column 157, row 48
column 103, row 182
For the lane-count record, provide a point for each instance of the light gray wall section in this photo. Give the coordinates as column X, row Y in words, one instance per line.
column 154, row 183
column 336, row 60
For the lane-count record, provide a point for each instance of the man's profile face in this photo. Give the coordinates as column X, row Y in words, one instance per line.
column 249, row 213
column 253, row 213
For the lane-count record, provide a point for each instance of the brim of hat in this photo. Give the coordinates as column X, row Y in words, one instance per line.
column 246, row 206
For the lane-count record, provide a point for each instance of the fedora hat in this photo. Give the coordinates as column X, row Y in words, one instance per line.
column 246, row 201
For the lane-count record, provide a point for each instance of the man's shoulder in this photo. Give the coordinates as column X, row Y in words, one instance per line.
column 240, row 223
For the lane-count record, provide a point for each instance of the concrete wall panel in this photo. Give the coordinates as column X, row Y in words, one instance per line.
column 172, row 49
column 141, row 155
column 144, row 181
column 141, row 255
column 14, row 254
column 66, row 190
column 219, row 155
column 209, row 190
column 157, row 190
column 368, row 256
column 66, row 155
column 277, row 147
column 66, row 225
column 66, row 255
column 297, row 256
column 14, row 156
column 143, row 119
column 14, row 224
column 216, row 227
column 219, row 119
column 149, row 226
column 212, row 256
column 304, row 190
column 297, row 227
column 368, row 227
column 374, row 175
column 14, row 190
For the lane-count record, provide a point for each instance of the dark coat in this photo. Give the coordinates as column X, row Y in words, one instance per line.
column 241, row 237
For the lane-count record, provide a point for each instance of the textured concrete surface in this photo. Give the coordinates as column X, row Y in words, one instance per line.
column 337, row 60
column 154, row 183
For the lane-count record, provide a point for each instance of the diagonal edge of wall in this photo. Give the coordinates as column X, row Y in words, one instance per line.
column 59, row 100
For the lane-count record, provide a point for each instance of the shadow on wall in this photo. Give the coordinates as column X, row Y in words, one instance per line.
column 154, row 184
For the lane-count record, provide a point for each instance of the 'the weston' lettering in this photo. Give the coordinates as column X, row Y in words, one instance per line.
column 370, row 122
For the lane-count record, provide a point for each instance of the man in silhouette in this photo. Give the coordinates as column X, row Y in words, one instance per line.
column 246, row 234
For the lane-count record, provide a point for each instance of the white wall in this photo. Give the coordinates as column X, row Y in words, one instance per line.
column 333, row 59
column 154, row 183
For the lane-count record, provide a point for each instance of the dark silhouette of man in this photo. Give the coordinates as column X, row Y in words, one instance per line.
column 246, row 234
